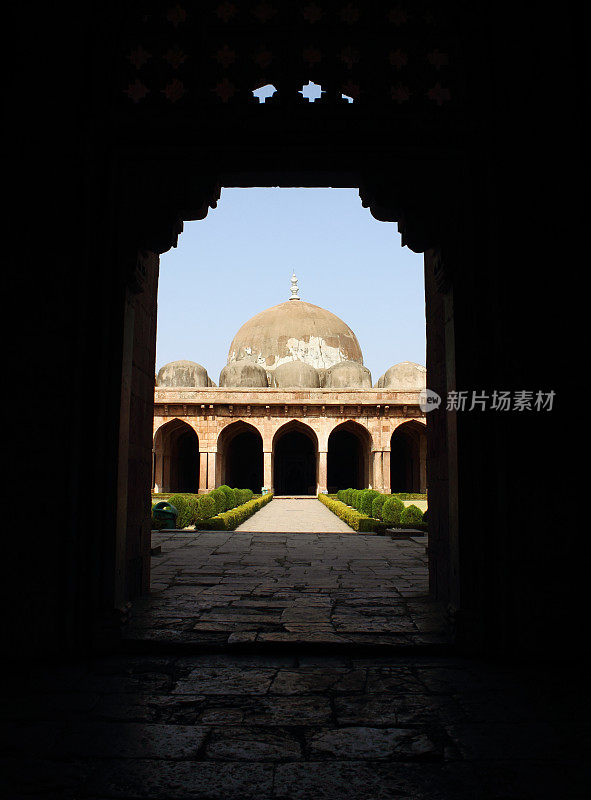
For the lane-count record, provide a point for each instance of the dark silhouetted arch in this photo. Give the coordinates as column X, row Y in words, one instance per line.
column 295, row 458
column 348, row 457
column 240, row 453
column 176, row 458
column 408, row 457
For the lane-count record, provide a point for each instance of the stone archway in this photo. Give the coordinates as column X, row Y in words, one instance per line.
column 240, row 456
column 349, row 449
column 408, row 453
column 295, row 460
column 176, row 458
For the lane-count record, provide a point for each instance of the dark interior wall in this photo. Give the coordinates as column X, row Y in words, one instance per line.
column 244, row 461
column 294, row 464
column 509, row 263
column 188, row 463
column 345, row 461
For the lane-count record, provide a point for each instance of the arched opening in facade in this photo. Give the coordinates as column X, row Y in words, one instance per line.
column 240, row 457
column 176, row 458
column 408, row 458
column 348, row 457
column 295, row 460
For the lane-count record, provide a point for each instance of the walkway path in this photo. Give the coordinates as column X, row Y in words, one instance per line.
column 293, row 516
column 243, row 587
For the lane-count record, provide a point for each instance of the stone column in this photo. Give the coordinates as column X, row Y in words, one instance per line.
column 158, row 470
column 322, row 471
column 267, row 471
column 202, row 473
column 378, row 478
column 211, row 458
column 386, row 472
column 423, row 463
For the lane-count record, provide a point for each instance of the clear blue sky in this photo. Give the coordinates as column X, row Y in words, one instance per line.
column 239, row 259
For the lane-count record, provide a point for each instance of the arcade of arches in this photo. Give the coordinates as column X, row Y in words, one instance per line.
column 322, row 454
column 298, row 419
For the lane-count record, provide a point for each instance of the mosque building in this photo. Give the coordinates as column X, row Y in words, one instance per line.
column 295, row 413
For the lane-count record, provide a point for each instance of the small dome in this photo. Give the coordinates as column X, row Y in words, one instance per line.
column 187, row 374
column 348, row 375
column 295, row 375
column 405, row 377
column 243, row 374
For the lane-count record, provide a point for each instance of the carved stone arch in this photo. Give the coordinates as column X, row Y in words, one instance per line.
column 239, row 462
column 408, row 457
column 175, row 457
column 295, row 459
column 349, row 454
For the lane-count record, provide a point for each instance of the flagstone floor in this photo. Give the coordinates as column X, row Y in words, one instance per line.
column 293, row 727
column 341, row 588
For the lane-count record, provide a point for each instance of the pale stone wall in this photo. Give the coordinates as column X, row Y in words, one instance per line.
column 210, row 411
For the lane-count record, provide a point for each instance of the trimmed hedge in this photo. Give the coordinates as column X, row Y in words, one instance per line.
column 206, row 508
column 392, row 510
column 412, row 514
column 230, row 520
column 193, row 508
column 353, row 518
column 384, row 509
column 366, row 500
column 376, row 506
column 186, row 505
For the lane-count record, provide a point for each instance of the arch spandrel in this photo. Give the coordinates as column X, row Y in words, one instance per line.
column 227, row 432
column 171, row 425
column 356, row 427
column 297, row 424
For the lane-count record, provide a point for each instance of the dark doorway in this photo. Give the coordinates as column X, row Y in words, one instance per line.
column 244, row 462
column 407, row 458
column 176, row 458
column 187, row 457
column 345, row 461
column 295, row 465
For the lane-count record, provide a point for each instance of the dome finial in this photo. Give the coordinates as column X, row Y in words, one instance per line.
column 294, row 288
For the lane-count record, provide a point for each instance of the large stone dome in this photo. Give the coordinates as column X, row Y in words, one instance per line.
column 295, row 331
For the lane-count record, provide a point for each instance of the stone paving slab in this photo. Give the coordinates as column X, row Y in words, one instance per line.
column 287, row 727
column 314, row 587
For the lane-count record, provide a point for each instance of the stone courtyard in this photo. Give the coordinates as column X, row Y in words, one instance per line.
column 294, row 727
column 291, row 665
column 332, row 586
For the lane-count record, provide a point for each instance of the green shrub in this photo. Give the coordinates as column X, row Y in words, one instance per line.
column 186, row 505
column 220, row 500
column 376, row 505
column 230, row 496
column 411, row 515
column 366, row 500
column 229, row 520
column 355, row 496
column 392, row 510
column 341, row 495
column 243, row 496
column 207, row 507
column 353, row 518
